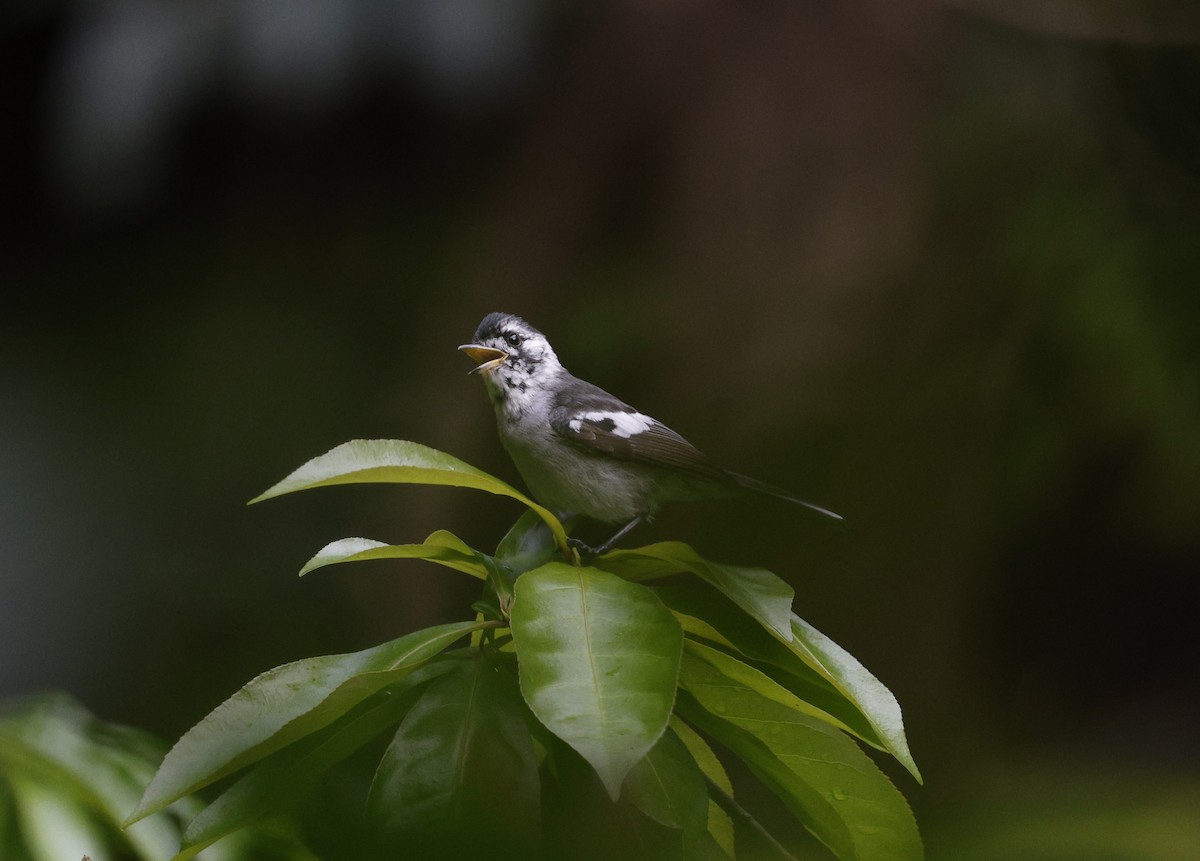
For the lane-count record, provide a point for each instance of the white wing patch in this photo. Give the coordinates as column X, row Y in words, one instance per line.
column 624, row 424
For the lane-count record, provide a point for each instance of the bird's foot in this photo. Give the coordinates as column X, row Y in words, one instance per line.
column 585, row 550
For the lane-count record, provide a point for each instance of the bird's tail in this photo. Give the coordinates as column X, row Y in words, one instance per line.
column 757, row 486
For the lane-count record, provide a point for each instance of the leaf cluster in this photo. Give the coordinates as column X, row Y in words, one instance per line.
column 578, row 714
column 67, row 780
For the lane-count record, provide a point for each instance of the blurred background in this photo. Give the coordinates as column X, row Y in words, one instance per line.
column 932, row 264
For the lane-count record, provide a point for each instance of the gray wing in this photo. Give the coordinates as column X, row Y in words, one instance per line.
column 593, row 420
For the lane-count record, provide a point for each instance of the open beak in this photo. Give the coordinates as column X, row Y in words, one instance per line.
column 485, row 358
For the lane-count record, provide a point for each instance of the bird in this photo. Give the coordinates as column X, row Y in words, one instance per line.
column 584, row 452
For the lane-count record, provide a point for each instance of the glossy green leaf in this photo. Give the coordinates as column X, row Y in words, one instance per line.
column 461, row 772
column 284, row 705
column 270, row 782
column 850, row 677
column 760, row 593
column 818, row 772
column 599, row 660
column 364, row 461
column 364, row 549
column 810, row 666
column 758, row 681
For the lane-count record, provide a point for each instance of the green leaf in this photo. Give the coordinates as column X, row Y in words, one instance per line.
column 55, row 825
column 582, row 823
column 720, row 825
column 811, row 666
column 291, row 770
column 529, row 544
column 461, row 772
column 758, row 681
column 599, row 660
column 77, row 761
column 286, row 704
column 819, row 773
column 364, row 549
column 364, row 461
column 668, row 786
column 850, row 677
column 760, row 593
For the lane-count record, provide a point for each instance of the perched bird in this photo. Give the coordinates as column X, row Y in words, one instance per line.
column 582, row 451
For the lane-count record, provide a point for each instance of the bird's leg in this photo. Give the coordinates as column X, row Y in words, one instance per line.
column 588, row 550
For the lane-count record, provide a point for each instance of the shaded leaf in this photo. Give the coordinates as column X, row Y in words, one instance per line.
column 720, row 825
column 668, row 786
column 822, row 776
column 461, row 771
column 289, row 771
column 286, row 704
column 758, row 682
column 810, row 666
column 528, row 544
column 582, row 823
column 599, row 660
column 364, row 461
column 760, row 593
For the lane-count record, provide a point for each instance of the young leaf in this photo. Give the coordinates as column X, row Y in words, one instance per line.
column 364, row 549
column 364, row 461
column 822, row 776
column 527, row 545
column 286, row 704
column 757, row 591
column 599, row 660
column 461, row 772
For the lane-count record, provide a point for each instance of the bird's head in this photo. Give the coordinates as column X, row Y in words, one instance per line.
column 510, row 354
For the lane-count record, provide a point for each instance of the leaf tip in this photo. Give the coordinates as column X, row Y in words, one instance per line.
column 139, row 813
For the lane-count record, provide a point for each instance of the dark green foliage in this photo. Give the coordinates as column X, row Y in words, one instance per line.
column 566, row 726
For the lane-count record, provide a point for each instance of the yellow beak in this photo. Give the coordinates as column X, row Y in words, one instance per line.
column 485, row 358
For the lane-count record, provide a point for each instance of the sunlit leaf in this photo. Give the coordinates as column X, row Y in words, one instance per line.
column 364, row 549
column 286, row 704
column 461, row 771
column 599, row 660
column 364, row 461
column 760, row 593
column 818, row 771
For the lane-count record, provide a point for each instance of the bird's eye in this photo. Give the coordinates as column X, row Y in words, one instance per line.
column 513, row 339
